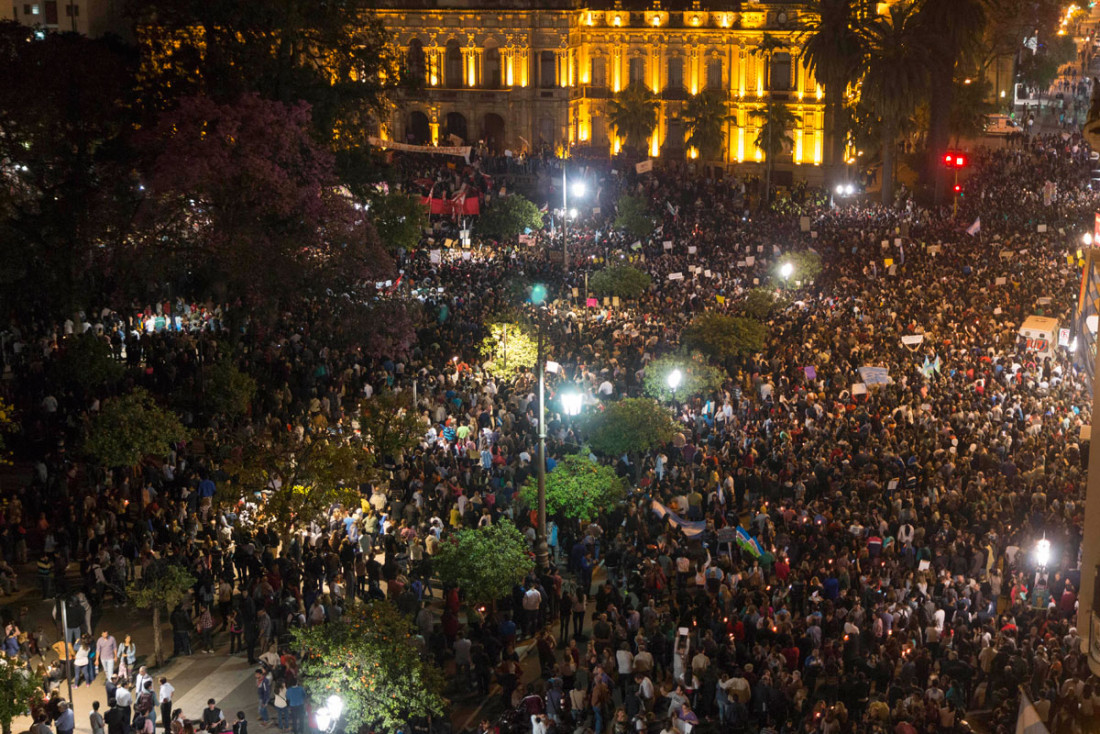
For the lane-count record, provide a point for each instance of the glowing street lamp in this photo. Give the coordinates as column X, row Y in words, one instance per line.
column 1042, row 553
column 329, row 714
column 579, row 189
column 675, row 378
column 786, row 270
column 1086, row 238
column 571, row 403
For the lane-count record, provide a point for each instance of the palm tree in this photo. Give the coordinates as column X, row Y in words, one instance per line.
column 894, row 79
column 775, row 120
column 705, row 116
column 833, row 51
column 951, row 30
column 766, row 48
column 633, row 115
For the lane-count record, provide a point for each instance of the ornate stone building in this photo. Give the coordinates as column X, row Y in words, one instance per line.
column 520, row 76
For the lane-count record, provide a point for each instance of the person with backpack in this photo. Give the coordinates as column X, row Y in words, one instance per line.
column 240, row 726
column 146, row 702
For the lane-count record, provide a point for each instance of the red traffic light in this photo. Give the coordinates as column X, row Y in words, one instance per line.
column 953, row 159
column 958, row 188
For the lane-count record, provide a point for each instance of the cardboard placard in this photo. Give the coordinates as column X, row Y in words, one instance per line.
column 675, row 276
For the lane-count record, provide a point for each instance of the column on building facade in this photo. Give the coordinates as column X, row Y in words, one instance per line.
column 432, row 61
column 561, row 73
column 655, row 63
column 523, row 66
column 742, row 72
column 615, row 73
column 693, row 80
column 433, row 125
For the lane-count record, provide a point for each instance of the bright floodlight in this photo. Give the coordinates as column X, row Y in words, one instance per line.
column 1042, row 552
column 571, row 403
column 324, row 718
column 675, row 378
column 335, row 706
column 849, row 189
column 786, row 269
column 579, row 188
column 840, row 189
column 572, row 213
column 1086, row 238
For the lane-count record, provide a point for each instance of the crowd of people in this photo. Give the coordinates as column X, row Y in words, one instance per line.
column 894, row 588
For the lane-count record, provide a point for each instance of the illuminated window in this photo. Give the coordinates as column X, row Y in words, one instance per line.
column 637, row 71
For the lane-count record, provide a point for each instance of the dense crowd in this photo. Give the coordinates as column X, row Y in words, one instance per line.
column 895, row 587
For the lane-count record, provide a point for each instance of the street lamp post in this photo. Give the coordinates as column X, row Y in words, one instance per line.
column 674, row 379
column 786, row 269
column 578, row 191
column 542, row 551
column 571, row 403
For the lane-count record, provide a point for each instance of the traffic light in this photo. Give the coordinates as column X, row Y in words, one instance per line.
column 958, row 188
column 955, row 159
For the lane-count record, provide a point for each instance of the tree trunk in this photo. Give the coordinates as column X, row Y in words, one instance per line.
column 158, row 648
column 834, row 151
column 767, row 182
column 889, row 140
column 941, row 95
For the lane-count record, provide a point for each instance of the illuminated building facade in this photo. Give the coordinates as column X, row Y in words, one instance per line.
column 521, row 78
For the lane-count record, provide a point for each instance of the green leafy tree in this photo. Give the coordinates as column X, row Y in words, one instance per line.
column 369, row 659
column 18, row 688
column 87, row 361
column 758, row 304
column 632, row 217
column 399, row 219
column 1037, row 70
column 578, row 488
column 630, row 426
column 335, row 57
column 228, row 391
column 389, row 425
column 162, row 586
column 705, row 116
column 775, row 120
column 484, row 562
column 508, row 217
column 131, row 427
column 696, row 377
column 620, row 280
column 895, row 78
column 970, row 109
column 633, row 115
column 806, row 265
column 509, row 348
column 298, row 479
column 832, row 49
column 723, row 337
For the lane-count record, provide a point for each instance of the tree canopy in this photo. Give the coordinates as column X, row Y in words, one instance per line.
column 484, row 562
column 398, row 218
column 623, row 281
column 723, row 337
column 633, row 115
column 696, row 376
column 632, row 217
column 369, row 658
column 578, row 488
column 630, row 425
column 507, row 217
column 131, row 427
column 233, row 185
column 18, row 688
column 162, row 586
column 509, row 348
